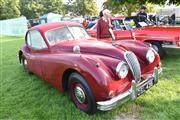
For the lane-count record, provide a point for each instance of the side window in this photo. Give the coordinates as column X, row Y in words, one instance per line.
column 35, row 40
column 28, row 39
column 94, row 27
column 58, row 35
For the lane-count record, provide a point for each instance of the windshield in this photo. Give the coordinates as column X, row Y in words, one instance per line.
column 118, row 24
column 132, row 23
column 66, row 33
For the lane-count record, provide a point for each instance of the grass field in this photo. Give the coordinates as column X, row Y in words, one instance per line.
column 24, row 96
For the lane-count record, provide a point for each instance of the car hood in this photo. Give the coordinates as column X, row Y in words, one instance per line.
column 136, row 47
column 132, row 45
column 90, row 46
column 159, row 31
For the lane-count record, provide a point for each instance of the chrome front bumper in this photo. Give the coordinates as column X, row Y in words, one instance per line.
column 135, row 91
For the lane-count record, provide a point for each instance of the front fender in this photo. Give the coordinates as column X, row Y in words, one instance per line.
column 97, row 74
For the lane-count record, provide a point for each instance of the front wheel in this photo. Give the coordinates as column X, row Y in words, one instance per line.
column 158, row 47
column 81, row 94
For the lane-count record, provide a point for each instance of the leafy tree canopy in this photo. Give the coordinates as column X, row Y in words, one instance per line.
column 147, row 1
column 9, row 9
column 35, row 8
column 126, row 7
column 82, row 7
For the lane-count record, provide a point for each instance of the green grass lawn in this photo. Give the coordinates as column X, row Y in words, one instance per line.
column 24, row 96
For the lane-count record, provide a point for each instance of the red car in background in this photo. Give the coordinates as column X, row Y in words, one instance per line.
column 158, row 36
column 98, row 75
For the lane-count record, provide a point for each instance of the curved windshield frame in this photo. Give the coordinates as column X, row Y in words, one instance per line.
column 66, row 33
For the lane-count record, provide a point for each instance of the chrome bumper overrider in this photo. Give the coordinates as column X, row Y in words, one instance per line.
column 132, row 93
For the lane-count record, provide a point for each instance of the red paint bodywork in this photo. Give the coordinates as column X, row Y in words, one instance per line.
column 53, row 63
column 161, row 34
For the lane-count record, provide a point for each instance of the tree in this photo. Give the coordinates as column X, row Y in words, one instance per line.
column 151, row 8
column 83, row 7
column 162, row 2
column 141, row 2
column 68, row 8
column 126, row 7
column 9, row 9
column 35, row 8
column 31, row 8
column 55, row 6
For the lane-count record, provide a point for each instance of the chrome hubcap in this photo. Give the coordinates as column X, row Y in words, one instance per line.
column 80, row 95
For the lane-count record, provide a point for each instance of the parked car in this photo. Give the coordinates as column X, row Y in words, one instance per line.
column 158, row 36
column 98, row 75
column 33, row 22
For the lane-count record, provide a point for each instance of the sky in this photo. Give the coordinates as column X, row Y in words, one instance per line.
column 99, row 3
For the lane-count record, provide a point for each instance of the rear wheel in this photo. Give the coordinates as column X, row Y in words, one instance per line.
column 25, row 64
column 81, row 94
column 158, row 47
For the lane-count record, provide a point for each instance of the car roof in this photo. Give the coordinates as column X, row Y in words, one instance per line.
column 50, row 26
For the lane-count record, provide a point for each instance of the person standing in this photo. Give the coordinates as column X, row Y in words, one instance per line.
column 173, row 17
column 142, row 15
column 104, row 24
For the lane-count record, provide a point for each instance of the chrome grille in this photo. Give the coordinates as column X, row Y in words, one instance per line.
column 134, row 65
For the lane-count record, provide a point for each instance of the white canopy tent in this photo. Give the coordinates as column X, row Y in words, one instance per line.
column 13, row 27
column 50, row 17
column 168, row 11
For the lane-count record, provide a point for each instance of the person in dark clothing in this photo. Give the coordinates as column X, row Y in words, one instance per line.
column 142, row 15
column 103, row 25
column 173, row 18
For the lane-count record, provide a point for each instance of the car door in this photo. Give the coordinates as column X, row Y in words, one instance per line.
column 37, row 48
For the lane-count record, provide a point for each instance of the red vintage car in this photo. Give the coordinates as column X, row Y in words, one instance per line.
column 158, row 36
column 98, row 75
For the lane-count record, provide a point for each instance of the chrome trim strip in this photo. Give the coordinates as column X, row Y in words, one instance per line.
column 153, row 36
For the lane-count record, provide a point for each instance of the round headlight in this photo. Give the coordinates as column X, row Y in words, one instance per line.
column 122, row 70
column 150, row 56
